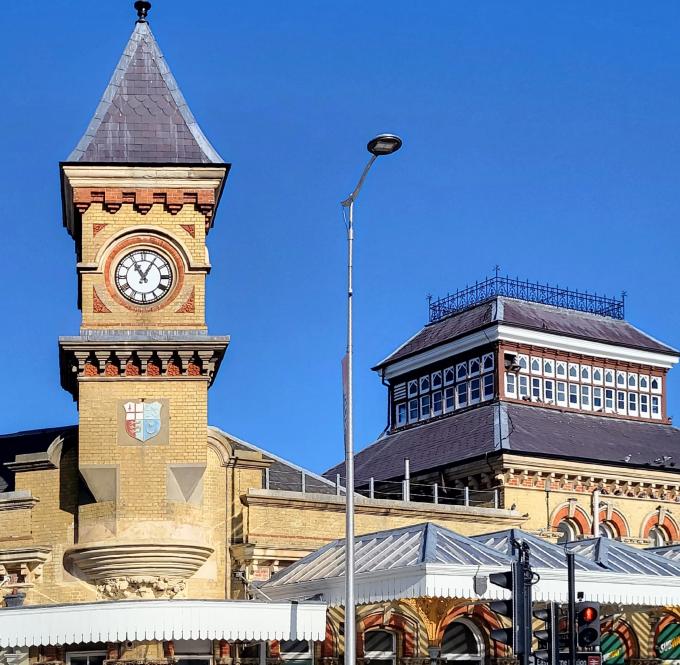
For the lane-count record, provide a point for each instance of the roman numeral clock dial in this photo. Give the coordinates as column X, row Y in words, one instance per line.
column 143, row 276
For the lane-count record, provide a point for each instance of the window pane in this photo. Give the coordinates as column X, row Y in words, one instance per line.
column 461, row 371
column 510, row 384
column 488, row 386
column 561, row 391
column 585, row 396
column 449, row 399
column 523, row 386
column 535, row 365
column 294, row 646
column 436, row 379
column 536, row 389
column 474, row 366
column 597, row 398
column 436, row 403
column 621, row 400
column 425, row 406
column 448, row 375
column 401, row 414
column 474, row 390
column 461, row 389
column 413, row 410
column 487, row 362
column 424, row 384
column 548, row 366
column 412, row 388
column 632, row 401
column 644, row 404
column 378, row 640
column 459, row 640
column 573, row 394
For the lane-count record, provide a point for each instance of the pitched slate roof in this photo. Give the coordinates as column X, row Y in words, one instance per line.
column 533, row 316
column 142, row 116
column 510, row 427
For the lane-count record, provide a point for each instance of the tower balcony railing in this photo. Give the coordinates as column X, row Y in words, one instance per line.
column 509, row 287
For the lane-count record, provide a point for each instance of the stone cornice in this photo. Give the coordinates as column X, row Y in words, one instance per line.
column 142, row 186
column 365, row 506
column 19, row 500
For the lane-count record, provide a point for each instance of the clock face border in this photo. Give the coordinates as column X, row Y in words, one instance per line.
column 146, row 266
column 151, row 243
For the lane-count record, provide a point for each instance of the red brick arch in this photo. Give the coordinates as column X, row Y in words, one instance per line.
column 580, row 518
column 401, row 624
column 668, row 524
column 618, row 521
column 483, row 618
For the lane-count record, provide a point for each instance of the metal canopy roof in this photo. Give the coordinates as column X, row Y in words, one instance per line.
column 671, row 552
column 427, row 560
column 543, row 554
column 618, row 557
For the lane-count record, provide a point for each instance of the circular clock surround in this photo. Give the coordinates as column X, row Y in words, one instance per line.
column 149, row 244
column 144, row 276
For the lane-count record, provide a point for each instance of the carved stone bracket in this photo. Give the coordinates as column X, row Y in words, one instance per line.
column 121, row 588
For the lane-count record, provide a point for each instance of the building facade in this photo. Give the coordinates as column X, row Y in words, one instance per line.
column 516, row 406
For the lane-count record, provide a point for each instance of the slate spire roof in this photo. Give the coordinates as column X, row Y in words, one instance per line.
column 142, row 116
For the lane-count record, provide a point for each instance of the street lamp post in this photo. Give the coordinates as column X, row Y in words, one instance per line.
column 384, row 144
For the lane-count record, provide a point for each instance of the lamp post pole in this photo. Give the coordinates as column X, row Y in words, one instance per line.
column 384, row 144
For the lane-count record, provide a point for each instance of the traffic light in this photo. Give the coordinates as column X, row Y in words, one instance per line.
column 548, row 649
column 588, row 624
column 516, row 608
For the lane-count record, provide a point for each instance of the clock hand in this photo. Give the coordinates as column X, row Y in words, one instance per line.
column 139, row 270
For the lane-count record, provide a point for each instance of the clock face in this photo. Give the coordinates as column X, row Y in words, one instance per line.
column 143, row 276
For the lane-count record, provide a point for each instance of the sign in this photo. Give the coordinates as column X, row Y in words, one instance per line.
column 582, row 658
column 668, row 642
column 613, row 649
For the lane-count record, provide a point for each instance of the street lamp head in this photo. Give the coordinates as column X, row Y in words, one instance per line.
column 384, row 144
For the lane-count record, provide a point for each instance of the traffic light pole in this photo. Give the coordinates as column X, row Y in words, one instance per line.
column 571, row 581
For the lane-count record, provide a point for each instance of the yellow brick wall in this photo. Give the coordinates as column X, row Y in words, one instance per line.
column 102, row 231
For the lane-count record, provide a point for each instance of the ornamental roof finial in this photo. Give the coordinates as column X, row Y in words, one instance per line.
column 142, row 7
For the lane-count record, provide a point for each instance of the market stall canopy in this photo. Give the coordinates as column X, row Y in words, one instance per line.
column 427, row 560
column 118, row 621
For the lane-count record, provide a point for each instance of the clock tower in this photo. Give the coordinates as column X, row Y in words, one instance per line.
column 140, row 192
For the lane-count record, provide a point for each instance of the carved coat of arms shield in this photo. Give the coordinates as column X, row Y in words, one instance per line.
column 142, row 419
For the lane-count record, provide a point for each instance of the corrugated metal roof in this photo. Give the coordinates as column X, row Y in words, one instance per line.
column 388, row 550
column 617, row 557
column 543, row 554
column 670, row 552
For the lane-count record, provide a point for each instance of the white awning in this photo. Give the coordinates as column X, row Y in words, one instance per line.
column 118, row 621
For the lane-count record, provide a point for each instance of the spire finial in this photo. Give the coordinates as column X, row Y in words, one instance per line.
column 142, row 7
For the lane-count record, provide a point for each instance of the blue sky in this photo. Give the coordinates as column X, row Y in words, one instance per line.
column 542, row 136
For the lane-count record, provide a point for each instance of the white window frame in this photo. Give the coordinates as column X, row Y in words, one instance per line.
column 634, row 396
column 600, row 381
column 598, row 393
column 548, row 371
column 426, row 379
column 429, row 406
column 486, row 357
column 563, row 365
column 574, row 390
column 412, row 383
column 478, row 371
column 485, row 383
column 297, row 657
column 382, row 655
column 644, row 399
column 585, row 375
column 564, row 391
column 410, row 404
column 634, row 384
column 656, row 391
column 452, row 380
column 536, row 382
column 527, row 392
column 511, row 390
column 433, row 377
column 549, row 400
column 471, row 400
column 538, row 361
column 463, row 376
column 619, row 410
column 657, row 415
column 452, row 390
column 433, row 412
column 612, row 408
column 523, row 362
column 586, row 397
column 619, row 376
column 612, row 381
column 398, row 422
column 459, row 404
column 577, row 369
column 645, row 378
column 474, row 658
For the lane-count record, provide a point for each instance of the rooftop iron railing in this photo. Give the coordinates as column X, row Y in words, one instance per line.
column 481, row 292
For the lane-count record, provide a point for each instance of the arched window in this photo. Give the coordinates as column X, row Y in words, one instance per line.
column 296, row 652
column 462, row 642
column 607, row 530
column 568, row 530
column 380, row 647
column 658, row 536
